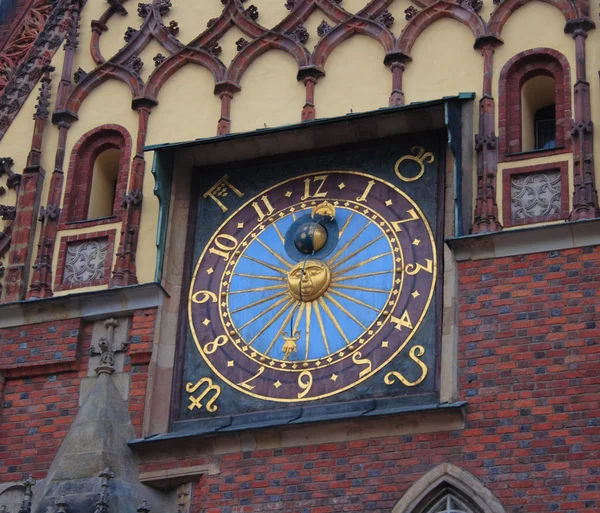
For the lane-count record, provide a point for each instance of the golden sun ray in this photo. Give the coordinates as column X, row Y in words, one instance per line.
column 350, row 298
column 272, row 321
column 281, row 237
column 364, row 289
column 308, row 315
column 348, row 244
column 274, row 268
column 337, row 303
column 353, row 254
column 333, row 319
column 258, row 289
column 278, row 257
column 360, row 264
column 320, row 320
column 256, row 317
column 346, row 224
column 259, row 302
column 282, row 327
column 260, row 277
column 357, row 276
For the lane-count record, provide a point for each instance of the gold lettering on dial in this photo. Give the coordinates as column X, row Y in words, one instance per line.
column 256, row 206
column 363, row 198
column 420, row 157
column 305, row 381
column 220, row 190
column 225, row 243
column 413, row 217
column 359, row 360
column 206, row 295
column 412, row 269
column 190, row 388
column 415, row 353
column 402, row 321
column 246, row 384
column 307, row 186
column 211, row 347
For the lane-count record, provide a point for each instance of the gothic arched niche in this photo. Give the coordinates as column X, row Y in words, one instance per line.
column 355, row 79
column 445, row 481
column 271, row 94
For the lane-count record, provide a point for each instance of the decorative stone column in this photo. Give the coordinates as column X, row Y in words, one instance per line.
column 486, row 208
column 585, row 196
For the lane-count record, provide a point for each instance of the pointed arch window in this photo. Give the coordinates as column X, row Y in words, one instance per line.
column 97, row 177
column 449, row 504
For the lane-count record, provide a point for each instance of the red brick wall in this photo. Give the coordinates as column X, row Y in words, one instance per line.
column 528, row 367
column 43, row 366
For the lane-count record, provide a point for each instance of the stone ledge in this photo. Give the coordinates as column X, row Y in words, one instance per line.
column 526, row 240
column 85, row 305
column 172, row 477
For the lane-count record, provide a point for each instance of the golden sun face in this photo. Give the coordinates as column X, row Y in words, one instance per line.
column 312, row 284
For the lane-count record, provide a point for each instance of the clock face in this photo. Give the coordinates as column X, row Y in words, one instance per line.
column 313, row 286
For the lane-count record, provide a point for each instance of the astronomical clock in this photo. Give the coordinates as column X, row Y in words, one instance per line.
column 313, row 287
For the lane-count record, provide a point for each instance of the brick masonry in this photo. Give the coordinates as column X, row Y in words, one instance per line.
column 529, row 334
column 43, row 365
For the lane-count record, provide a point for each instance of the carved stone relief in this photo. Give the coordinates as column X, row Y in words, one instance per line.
column 535, row 195
column 85, row 261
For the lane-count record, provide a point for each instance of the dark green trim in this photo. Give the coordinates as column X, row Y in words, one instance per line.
column 162, row 170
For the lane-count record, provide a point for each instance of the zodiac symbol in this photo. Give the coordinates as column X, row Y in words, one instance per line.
column 195, row 401
column 414, row 354
column 420, row 157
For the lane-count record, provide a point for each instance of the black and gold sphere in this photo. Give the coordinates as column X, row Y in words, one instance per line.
column 310, row 237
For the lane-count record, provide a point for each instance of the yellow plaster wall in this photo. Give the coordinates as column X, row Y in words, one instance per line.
column 92, row 10
column 356, row 79
column 443, row 66
column 192, row 16
column 147, row 55
column 270, row 96
column 187, row 107
column 270, row 12
column 112, row 41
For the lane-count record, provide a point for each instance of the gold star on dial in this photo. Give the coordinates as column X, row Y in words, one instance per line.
column 388, row 203
column 206, row 322
column 277, row 384
column 384, row 343
column 288, row 194
column 230, row 363
column 416, row 242
column 334, row 377
column 210, row 270
column 240, row 225
column 415, row 294
column 341, row 185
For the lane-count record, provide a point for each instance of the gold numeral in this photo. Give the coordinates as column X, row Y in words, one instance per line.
column 412, row 269
column 211, row 347
column 225, row 244
column 318, row 194
column 268, row 206
column 359, row 360
column 207, row 294
column 370, row 185
column 195, row 401
column 246, row 384
column 413, row 217
column 305, row 386
column 402, row 321
column 415, row 352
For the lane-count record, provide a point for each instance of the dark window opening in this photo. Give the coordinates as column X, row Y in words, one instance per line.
column 545, row 128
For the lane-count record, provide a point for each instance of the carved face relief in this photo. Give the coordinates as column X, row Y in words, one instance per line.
column 311, row 283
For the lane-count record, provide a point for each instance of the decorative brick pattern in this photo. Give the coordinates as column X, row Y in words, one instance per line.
column 85, row 260
column 535, row 194
column 518, row 70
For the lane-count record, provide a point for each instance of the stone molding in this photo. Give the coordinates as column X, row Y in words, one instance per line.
column 523, row 241
column 453, row 477
column 85, row 305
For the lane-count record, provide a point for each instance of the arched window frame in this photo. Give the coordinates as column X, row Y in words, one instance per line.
column 448, row 479
column 515, row 73
column 81, row 172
